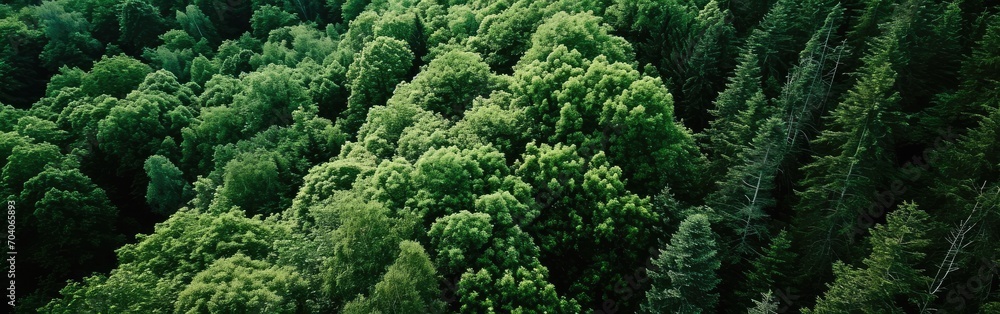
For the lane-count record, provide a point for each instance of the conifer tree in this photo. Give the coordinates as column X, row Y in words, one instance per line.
column 890, row 280
column 853, row 154
column 684, row 280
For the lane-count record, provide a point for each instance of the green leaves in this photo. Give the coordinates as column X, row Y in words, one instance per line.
column 408, row 286
column 239, row 284
column 115, row 76
column 167, row 189
column 372, row 77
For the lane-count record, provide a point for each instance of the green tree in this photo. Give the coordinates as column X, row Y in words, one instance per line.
column 70, row 42
column 857, row 143
column 364, row 245
column 890, row 280
column 449, row 84
column 684, row 279
column 114, row 76
column 167, row 190
column 268, row 18
column 251, row 182
column 408, row 286
column 196, row 23
column 382, row 64
column 768, row 269
column 582, row 32
column 241, row 284
column 140, row 23
column 26, row 161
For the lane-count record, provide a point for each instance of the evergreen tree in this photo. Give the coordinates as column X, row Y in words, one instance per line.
column 854, row 151
column 769, row 270
column 890, row 280
column 685, row 278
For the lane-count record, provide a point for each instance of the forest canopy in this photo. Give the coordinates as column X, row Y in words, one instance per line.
column 501, row 156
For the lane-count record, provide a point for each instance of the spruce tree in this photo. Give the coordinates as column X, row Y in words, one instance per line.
column 684, row 279
column 853, row 155
column 890, row 280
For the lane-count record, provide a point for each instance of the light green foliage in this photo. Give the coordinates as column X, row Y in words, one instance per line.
column 490, row 124
column 373, row 76
column 449, row 84
column 115, row 76
column 24, row 162
column 137, row 128
column 582, row 32
column 408, row 286
column 233, row 56
column 645, row 141
column 177, row 53
column 500, row 39
column 269, row 97
column 584, row 206
column 404, row 27
column 364, row 245
column 447, row 180
column 67, row 77
column 202, row 70
column 292, row 45
column 429, row 130
column 889, row 280
column 251, row 182
column 153, row 272
column 766, row 304
column 459, row 238
column 684, row 279
column 324, row 180
column 385, row 124
column 239, row 284
column 40, row 130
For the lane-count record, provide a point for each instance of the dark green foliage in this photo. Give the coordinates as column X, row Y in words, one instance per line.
column 890, row 281
column 69, row 37
column 501, row 156
column 167, row 189
column 684, row 279
column 268, row 18
column 139, row 23
column 193, row 21
column 408, row 286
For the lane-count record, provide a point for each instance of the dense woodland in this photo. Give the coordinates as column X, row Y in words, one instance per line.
column 502, row 156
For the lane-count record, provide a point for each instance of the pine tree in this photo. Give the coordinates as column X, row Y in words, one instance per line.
column 769, row 268
column 890, row 280
column 853, row 155
column 747, row 189
column 726, row 133
column 685, row 278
